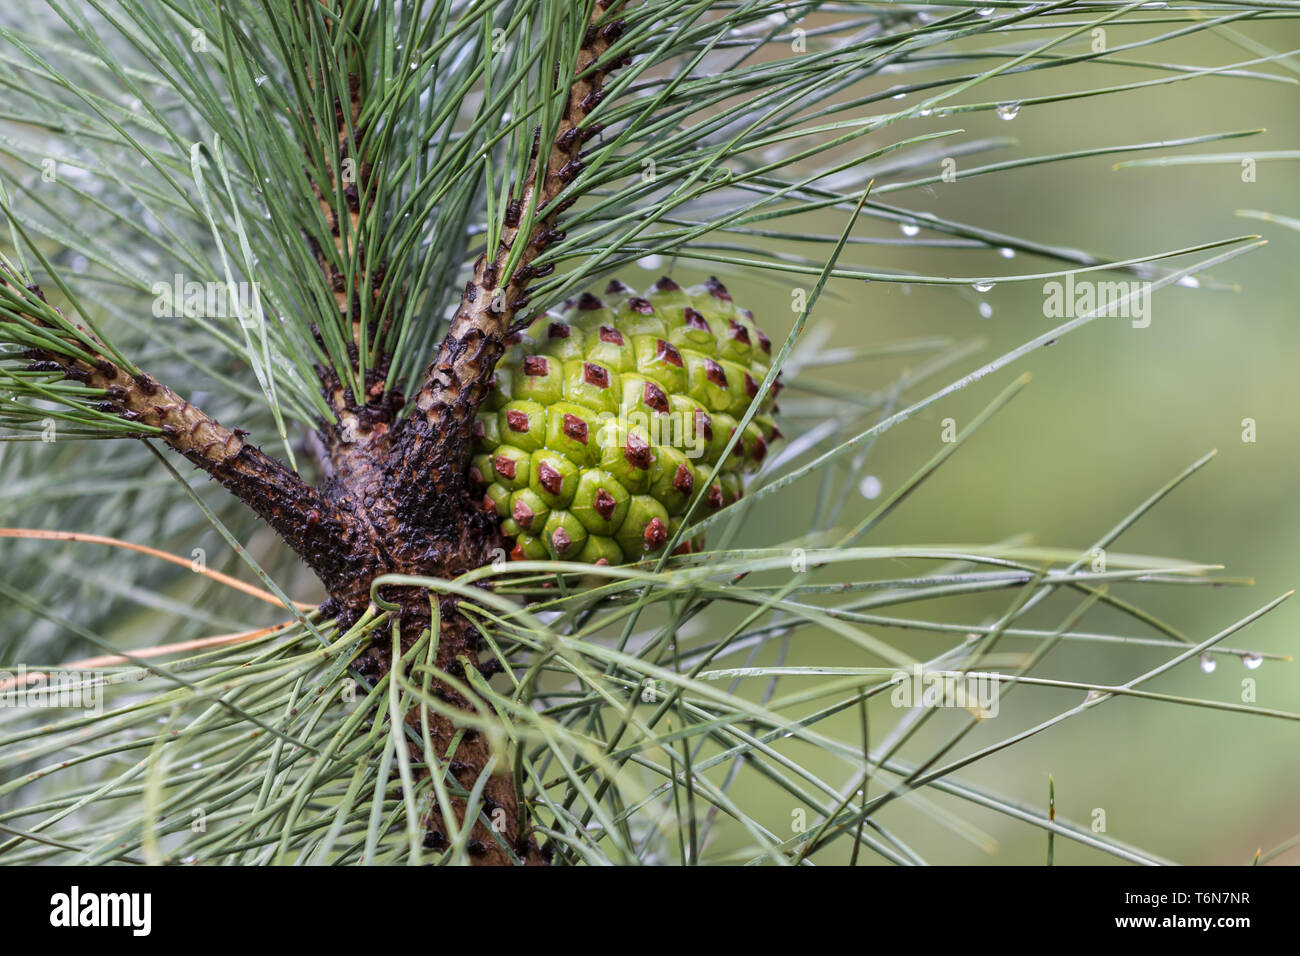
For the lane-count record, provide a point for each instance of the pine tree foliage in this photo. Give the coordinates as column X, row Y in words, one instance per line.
column 318, row 222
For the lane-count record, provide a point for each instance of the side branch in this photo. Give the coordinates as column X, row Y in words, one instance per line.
column 325, row 534
column 432, row 445
column 358, row 437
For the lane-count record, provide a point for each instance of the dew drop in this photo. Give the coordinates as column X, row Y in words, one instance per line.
column 1208, row 663
column 986, row 11
column 1252, row 661
column 870, row 487
column 1006, row 252
column 909, row 228
column 986, row 311
column 261, row 79
column 984, row 285
column 925, row 112
column 1008, row 111
column 1190, row 282
column 899, row 96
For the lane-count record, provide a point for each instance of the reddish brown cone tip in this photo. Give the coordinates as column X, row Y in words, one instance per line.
column 696, row 321
column 717, row 289
column 505, row 466
column 575, row 428
column 604, row 504
column 684, row 481
column 549, row 478
column 656, row 534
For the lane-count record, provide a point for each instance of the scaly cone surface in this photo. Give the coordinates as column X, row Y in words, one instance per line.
column 608, row 416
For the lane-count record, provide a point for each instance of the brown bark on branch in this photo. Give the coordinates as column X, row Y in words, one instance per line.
column 423, row 482
column 432, row 447
column 395, row 497
column 358, row 433
column 324, row 532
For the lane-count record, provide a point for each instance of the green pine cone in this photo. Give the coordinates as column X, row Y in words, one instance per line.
column 608, row 415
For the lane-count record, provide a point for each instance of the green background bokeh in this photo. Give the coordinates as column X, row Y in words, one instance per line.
column 1112, row 413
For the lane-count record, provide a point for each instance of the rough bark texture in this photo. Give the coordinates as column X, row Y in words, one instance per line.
column 320, row 528
column 436, row 434
column 394, row 496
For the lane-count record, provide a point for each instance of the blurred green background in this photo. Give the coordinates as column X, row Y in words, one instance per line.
column 1112, row 414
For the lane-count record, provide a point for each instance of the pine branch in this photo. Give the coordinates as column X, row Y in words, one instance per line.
column 349, row 449
column 343, row 144
column 422, row 477
column 747, row 139
column 325, row 534
column 431, row 446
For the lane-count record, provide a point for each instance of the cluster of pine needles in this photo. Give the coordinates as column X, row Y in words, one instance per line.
column 664, row 712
